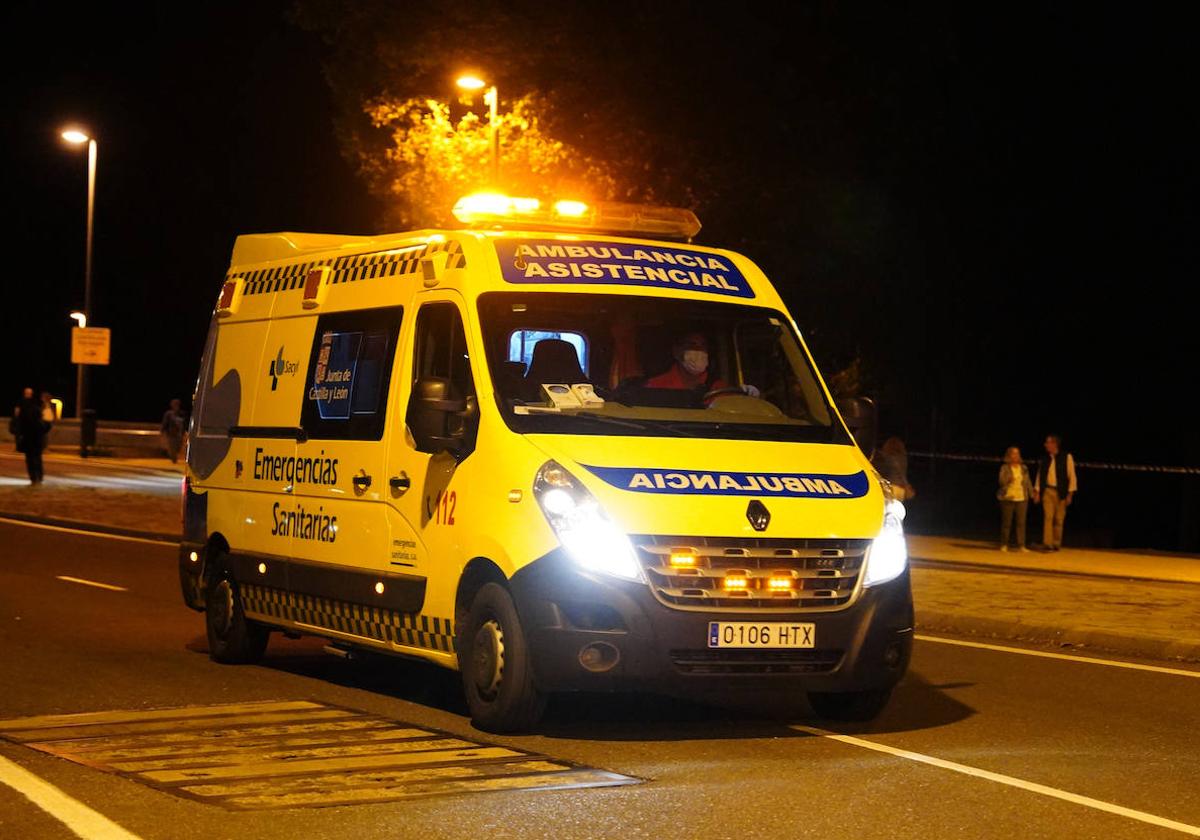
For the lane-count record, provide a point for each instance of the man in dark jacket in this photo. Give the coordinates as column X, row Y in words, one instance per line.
column 30, row 431
column 1054, row 487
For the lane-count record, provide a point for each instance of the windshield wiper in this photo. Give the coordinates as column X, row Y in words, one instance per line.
column 730, row 431
column 612, row 421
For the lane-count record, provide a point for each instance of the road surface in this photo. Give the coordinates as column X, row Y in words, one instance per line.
column 979, row 742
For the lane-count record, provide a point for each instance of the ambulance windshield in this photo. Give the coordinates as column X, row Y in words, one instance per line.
column 570, row 363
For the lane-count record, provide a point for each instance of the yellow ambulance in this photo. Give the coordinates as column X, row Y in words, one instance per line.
column 559, row 449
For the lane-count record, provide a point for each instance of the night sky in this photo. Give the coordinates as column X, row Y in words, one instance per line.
column 993, row 209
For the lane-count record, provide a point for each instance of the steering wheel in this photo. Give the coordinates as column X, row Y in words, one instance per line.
column 720, row 392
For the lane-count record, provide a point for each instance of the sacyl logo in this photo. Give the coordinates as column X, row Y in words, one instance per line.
column 279, row 367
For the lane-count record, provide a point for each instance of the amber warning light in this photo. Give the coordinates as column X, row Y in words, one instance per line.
column 231, row 297
column 504, row 212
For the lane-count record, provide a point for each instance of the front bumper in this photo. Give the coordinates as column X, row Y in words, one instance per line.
column 646, row 645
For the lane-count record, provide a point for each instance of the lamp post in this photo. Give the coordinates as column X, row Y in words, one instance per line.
column 491, row 98
column 78, row 138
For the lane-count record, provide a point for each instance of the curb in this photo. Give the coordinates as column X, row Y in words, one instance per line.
column 977, row 566
column 94, row 527
column 1145, row 647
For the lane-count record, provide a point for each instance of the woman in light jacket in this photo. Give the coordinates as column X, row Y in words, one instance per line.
column 1014, row 495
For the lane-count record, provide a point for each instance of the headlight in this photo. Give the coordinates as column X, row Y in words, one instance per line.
column 581, row 524
column 888, row 555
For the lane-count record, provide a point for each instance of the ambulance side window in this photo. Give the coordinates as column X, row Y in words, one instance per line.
column 349, row 368
column 442, row 364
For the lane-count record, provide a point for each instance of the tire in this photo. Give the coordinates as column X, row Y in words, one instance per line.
column 857, row 706
column 496, row 669
column 232, row 639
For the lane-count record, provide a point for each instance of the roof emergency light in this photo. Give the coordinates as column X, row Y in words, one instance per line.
column 503, row 212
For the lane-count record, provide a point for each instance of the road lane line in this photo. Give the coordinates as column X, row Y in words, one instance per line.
column 84, row 532
column 76, row 816
column 1113, row 663
column 1000, row 778
column 94, row 583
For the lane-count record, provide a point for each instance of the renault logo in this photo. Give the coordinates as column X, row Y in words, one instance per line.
column 758, row 515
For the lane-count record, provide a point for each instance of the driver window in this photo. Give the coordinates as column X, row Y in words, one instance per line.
column 442, row 367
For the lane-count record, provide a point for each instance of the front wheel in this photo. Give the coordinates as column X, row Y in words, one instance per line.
column 496, row 670
column 232, row 638
column 849, row 705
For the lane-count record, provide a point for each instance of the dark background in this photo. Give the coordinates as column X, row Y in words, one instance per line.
column 991, row 210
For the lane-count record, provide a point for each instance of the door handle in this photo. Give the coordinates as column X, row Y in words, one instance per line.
column 361, row 482
column 400, row 483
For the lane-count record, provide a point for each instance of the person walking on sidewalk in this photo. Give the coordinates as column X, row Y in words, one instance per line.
column 1014, row 494
column 1054, row 488
column 30, row 431
column 174, row 421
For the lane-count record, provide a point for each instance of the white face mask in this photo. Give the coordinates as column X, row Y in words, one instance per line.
column 695, row 362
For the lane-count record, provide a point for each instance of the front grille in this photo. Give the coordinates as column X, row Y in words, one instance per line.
column 812, row 574
column 755, row 661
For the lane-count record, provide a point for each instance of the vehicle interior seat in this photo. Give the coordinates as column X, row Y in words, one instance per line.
column 554, row 360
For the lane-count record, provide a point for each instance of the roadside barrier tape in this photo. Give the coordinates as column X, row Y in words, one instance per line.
column 1089, row 465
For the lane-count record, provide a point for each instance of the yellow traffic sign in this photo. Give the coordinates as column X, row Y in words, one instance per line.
column 89, row 345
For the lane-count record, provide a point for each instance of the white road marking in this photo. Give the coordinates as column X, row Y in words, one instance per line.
column 1091, row 660
column 94, row 583
column 1012, row 781
column 76, row 816
column 84, row 532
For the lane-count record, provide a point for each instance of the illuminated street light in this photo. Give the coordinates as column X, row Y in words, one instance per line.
column 78, row 138
column 491, row 98
column 80, row 318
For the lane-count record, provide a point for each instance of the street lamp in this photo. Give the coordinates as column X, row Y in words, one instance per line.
column 78, row 138
column 491, row 98
column 79, row 318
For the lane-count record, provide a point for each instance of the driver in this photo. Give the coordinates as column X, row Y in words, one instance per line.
column 690, row 370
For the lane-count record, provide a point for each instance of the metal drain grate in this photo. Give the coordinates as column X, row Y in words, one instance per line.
column 291, row 754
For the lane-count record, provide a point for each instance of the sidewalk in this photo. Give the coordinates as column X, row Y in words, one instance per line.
column 1125, row 602
column 132, row 496
column 1128, row 565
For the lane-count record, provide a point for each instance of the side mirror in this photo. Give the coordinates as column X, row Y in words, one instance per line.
column 440, row 421
column 862, row 417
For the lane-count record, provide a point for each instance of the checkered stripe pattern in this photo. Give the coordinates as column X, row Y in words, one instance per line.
column 350, row 269
column 410, row 629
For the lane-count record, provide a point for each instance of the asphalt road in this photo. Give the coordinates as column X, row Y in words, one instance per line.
column 977, row 743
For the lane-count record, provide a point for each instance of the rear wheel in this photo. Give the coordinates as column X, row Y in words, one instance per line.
column 849, row 705
column 232, row 638
column 496, row 669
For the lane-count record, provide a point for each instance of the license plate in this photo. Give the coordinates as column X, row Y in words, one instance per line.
column 761, row 634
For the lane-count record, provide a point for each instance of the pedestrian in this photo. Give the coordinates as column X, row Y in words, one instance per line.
column 174, row 422
column 30, row 430
column 891, row 460
column 1014, row 494
column 1054, row 487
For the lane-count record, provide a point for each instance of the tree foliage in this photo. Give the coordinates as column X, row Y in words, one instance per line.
column 435, row 156
column 568, row 122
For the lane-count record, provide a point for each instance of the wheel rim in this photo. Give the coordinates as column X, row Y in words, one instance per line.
column 220, row 612
column 487, row 658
